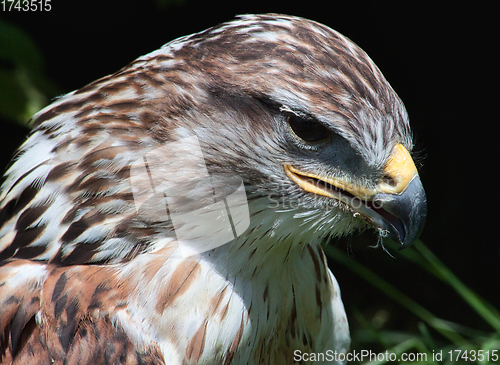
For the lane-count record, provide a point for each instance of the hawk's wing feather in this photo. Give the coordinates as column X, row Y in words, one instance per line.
column 64, row 317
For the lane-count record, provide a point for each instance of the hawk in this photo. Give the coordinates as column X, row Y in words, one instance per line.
column 173, row 212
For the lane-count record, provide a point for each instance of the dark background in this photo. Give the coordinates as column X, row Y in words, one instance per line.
column 441, row 62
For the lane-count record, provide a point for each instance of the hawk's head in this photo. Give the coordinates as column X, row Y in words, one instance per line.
column 307, row 119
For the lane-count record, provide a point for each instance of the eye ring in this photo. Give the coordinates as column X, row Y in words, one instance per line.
column 308, row 130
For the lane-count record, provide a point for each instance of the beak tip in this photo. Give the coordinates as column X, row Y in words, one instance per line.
column 406, row 244
column 410, row 207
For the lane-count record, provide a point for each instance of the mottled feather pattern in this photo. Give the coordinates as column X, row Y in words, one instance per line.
column 86, row 278
column 66, row 318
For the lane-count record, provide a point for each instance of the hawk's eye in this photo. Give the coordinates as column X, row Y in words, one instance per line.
column 308, row 130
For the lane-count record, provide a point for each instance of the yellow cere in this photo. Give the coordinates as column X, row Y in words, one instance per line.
column 398, row 173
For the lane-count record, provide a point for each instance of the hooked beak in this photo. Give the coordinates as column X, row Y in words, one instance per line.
column 397, row 206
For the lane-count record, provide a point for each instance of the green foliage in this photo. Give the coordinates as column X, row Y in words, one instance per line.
column 23, row 87
column 435, row 335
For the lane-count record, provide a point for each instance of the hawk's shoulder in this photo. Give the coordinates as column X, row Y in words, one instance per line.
column 53, row 314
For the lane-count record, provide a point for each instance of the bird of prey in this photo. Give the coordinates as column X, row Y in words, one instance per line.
column 173, row 212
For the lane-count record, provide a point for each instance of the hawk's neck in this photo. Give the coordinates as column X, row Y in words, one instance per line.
column 254, row 300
